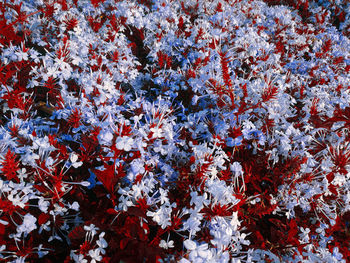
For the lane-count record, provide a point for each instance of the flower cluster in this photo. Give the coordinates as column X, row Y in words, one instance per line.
column 174, row 131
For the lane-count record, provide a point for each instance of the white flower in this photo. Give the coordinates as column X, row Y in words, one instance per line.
column 124, row 143
column 156, row 216
column 159, row 147
column 76, row 60
column 74, row 159
column 29, row 158
column 34, row 55
column 124, row 203
column 336, row 254
column 199, row 200
column 95, row 255
column 22, row 174
column 106, row 137
column 137, row 166
column 193, row 223
column 92, row 229
column 42, row 144
column 163, row 196
column 51, row 72
column 102, row 243
column 201, row 253
column 161, row 216
column 304, row 235
column 21, row 55
column 75, row 206
column 78, row 258
column 66, row 72
column 190, row 245
column 166, row 245
column 28, row 224
column 235, row 223
column 20, row 260
column 43, row 205
column 49, row 162
column 236, row 168
column 157, row 132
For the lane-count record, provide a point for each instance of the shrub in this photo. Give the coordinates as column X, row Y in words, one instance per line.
column 174, row 131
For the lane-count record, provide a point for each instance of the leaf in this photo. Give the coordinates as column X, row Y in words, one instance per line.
column 225, row 70
column 43, row 218
column 293, row 228
column 77, row 233
column 10, row 166
column 124, row 242
column 112, row 211
column 107, row 177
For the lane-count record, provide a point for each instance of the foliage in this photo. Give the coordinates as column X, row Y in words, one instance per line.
column 174, row 131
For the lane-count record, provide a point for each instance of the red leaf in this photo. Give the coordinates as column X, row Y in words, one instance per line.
column 327, row 46
column 225, row 70
column 10, row 166
column 293, row 228
column 74, row 119
column 333, row 189
column 124, row 242
column 43, row 218
column 107, row 177
column 112, row 211
column 2, row 230
column 181, row 23
column 260, row 239
column 96, row 3
column 330, row 176
column 77, row 233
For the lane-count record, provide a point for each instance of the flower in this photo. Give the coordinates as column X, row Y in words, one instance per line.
column 92, row 229
column 102, row 243
column 106, row 137
column 157, row 132
column 78, row 258
column 161, row 216
column 190, row 244
column 28, row 224
column 166, row 244
column 124, row 203
column 124, row 143
column 95, row 255
column 75, row 206
column 43, row 205
column 234, row 142
column 236, row 168
column 223, row 124
column 74, row 159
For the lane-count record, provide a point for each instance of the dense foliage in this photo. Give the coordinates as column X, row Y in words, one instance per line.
column 169, row 130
